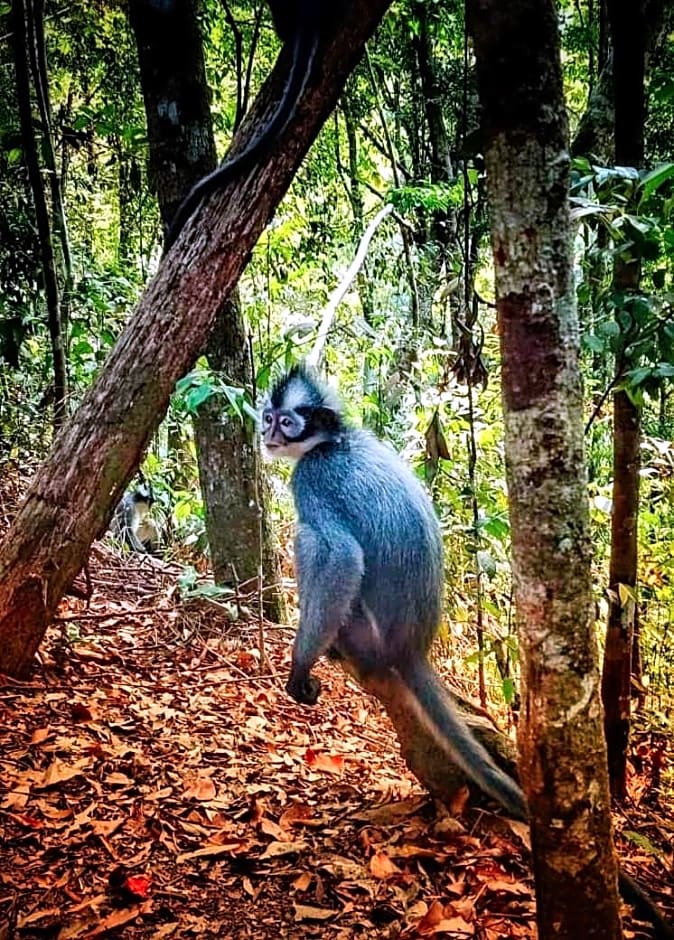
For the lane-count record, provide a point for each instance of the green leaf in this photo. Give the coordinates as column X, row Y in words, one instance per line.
column 594, row 343
column 508, row 690
column 626, row 595
column 637, row 376
column 655, row 178
column 183, row 385
column 609, row 328
column 82, row 348
column 197, row 396
column 642, row 841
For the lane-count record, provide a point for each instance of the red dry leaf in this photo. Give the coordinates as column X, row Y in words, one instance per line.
column 138, row 886
column 80, row 712
column 296, row 814
column 30, row 822
column 330, row 763
column 441, row 919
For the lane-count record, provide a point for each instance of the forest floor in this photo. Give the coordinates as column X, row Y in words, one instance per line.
column 154, row 784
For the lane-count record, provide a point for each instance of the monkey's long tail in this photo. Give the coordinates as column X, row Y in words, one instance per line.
column 434, row 708
column 644, row 906
column 438, row 714
column 304, row 47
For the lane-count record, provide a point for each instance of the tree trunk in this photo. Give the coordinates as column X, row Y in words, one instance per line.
column 563, row 756
column 182, row 151
column 38, row 59
column 72, row 497
column 48, row 261
column 628, row 31
column 233, row 481
column 617, row 670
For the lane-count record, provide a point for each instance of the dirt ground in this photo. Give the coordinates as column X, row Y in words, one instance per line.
column 154, row 784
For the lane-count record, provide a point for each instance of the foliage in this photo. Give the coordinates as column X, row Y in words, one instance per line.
column 406, row 321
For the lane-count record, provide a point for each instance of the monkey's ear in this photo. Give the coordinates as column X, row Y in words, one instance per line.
column 327, row 419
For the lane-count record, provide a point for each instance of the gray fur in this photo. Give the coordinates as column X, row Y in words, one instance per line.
column 361, row 492
column 131, row 523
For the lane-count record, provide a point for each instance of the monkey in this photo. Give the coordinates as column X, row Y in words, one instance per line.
column 132, row 524
column 369, row 565
column 298, row 24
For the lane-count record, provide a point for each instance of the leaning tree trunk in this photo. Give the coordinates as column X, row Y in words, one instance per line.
column 72, row 497
column 182, row 151
column 563, row 756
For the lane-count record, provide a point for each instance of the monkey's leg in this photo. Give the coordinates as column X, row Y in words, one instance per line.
column 329, row 571
column 360, row 641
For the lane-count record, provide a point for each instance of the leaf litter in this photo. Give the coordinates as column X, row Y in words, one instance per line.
column 154, row 784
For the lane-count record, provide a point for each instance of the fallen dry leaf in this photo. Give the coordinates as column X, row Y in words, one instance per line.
column 58, row 772
column 381, row 866
column 276, row 849
column 330, row 763
column 306, row 912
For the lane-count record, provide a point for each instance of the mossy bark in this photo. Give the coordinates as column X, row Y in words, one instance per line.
column 563, row 753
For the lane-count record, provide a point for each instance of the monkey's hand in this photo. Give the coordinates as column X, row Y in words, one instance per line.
column 303, row 688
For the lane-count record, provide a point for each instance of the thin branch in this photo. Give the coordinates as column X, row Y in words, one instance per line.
column 316, row 354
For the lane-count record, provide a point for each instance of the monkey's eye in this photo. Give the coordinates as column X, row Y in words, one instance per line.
column 286, row 423
column 267, row 419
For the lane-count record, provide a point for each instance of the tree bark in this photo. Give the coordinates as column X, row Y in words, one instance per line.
column 628, row 32
column 233, row 481
column 182, row 151
column 38, row 59
column 616, row 685
column 72, row 496
column 563, row 755
column 176, row 98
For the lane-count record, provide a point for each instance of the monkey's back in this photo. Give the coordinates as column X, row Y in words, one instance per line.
column 360, row 484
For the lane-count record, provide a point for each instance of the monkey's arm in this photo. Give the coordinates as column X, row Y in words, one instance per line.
column 330, row 567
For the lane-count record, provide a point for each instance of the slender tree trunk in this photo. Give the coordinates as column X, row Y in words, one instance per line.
column 38, row 57
column 31, row 150
column 628, row 30
column 182, row 151
column 126, row 242
column 563, row 755
column 72, row 497
column 233, row 482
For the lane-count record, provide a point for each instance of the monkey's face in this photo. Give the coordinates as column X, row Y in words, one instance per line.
column 286, row 433
column 297, row 415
